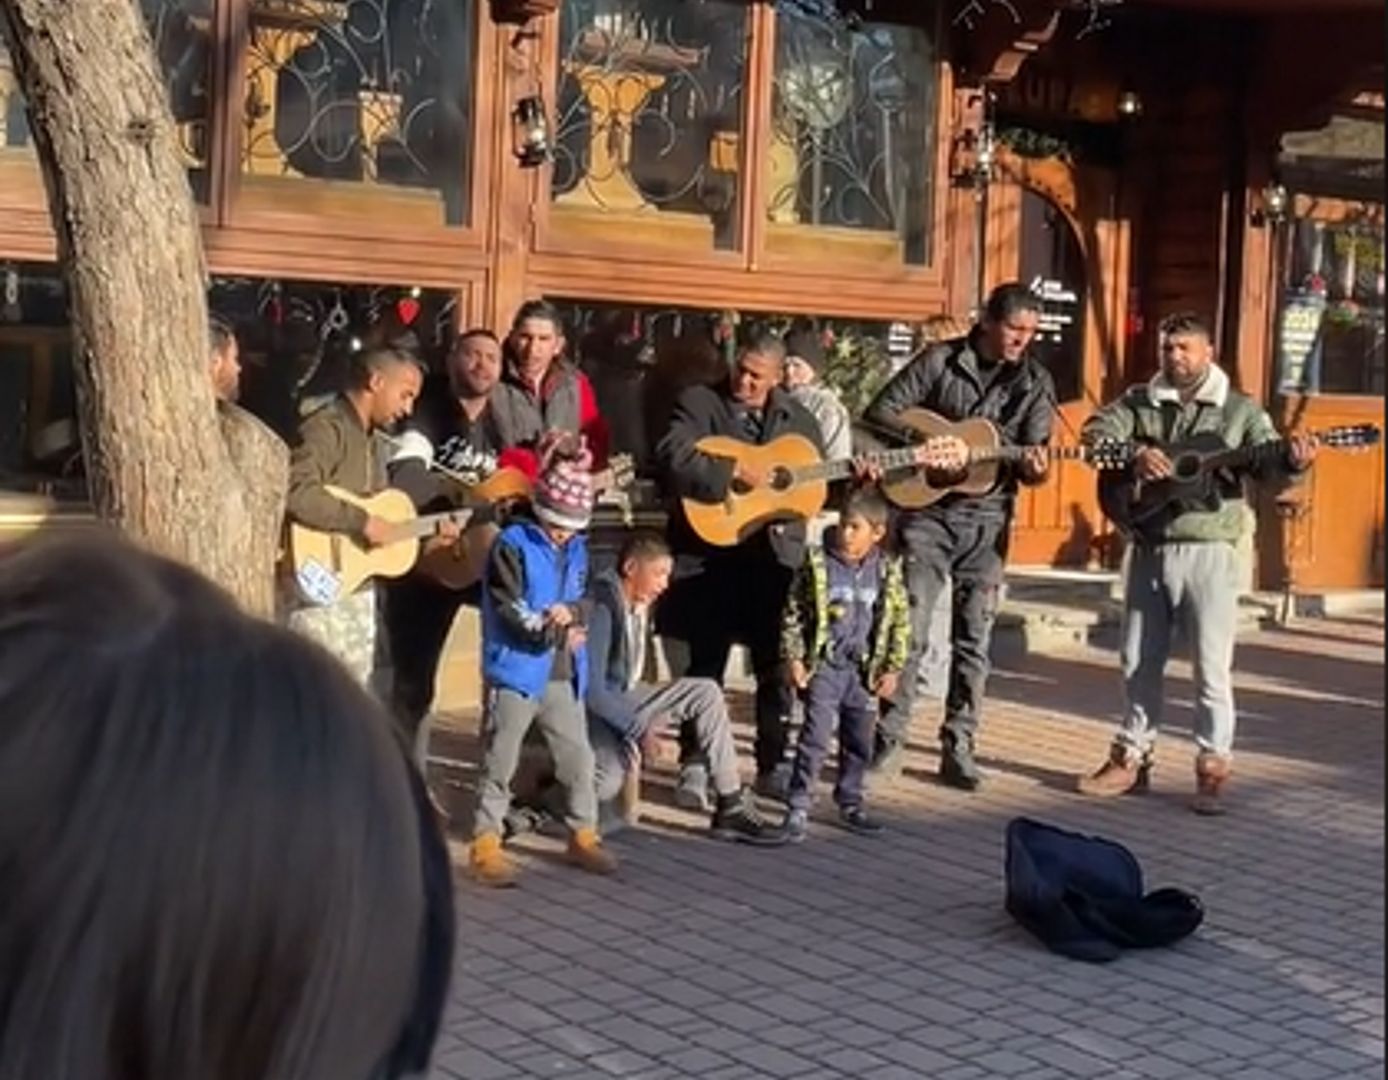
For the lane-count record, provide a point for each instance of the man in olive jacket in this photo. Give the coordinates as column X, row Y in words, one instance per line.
column 1183, row 563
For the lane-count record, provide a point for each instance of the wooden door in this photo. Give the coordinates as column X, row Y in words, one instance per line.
column 1051, row 225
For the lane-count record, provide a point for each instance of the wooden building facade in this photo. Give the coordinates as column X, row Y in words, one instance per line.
column 870, row 164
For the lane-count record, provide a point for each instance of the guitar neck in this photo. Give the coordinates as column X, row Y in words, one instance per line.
column 901, row 458
column 1016, row 453
column 420, row 527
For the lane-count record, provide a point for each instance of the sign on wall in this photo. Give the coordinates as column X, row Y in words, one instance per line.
column 1298, row 343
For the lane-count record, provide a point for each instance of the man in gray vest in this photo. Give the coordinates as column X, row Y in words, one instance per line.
column 541, row 391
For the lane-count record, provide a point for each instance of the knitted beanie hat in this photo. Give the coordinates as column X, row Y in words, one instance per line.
column 808, row 346
column 563, row 494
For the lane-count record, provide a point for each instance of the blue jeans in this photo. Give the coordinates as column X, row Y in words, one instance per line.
column 836, row 699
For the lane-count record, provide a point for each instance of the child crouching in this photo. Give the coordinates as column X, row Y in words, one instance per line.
column 845, row 640
column 533, row 663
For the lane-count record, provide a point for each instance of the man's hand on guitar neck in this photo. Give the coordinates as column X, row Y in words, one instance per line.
column 1301, row 451
column 1035, row 461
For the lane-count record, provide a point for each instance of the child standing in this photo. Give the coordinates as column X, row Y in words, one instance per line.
column 533, row 662
column 845, row 640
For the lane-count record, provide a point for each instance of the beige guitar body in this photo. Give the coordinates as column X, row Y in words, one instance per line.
column 921, row 487
column 741, row 513
column 328, row 566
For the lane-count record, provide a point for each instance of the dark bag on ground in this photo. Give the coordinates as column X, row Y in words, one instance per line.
column 1082, row 895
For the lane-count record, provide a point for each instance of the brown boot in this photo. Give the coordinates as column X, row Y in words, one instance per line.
column 587, row 853
column 1211, row 774
column 490, row 865
column 1126, row 772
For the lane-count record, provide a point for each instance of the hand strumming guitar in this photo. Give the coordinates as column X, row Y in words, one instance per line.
column 747, row 476
column 377, row 531
column 1150, row 464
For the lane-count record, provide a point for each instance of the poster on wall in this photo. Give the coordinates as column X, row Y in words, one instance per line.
column 1298, row 343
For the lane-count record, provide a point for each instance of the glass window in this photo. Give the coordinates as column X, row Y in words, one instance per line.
column 1331, row 327
column 853, row 137
column 354, row 103
column 181, row 31
column 649, row 120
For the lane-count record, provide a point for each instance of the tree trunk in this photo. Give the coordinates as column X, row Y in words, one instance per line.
column 160, row 464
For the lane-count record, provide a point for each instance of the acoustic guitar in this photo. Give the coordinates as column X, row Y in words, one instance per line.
column 1196, row 466
column 327, row 566
column 941, row 476
column 796, row 485
column 461, row 565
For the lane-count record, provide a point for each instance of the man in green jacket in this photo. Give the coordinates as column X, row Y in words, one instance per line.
column 1183, row 562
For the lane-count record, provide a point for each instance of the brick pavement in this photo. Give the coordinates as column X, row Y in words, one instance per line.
column 892, row 958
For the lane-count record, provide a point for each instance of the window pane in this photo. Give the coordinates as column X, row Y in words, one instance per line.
column 1331, row 327
column 181, row 31
column 852, row 149
column 649, row 119
column 1052, row 263
column 354, row 103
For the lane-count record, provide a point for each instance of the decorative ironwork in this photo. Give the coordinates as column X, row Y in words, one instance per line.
column 854, row 125
column 650, row 106
column 180, row 31
column 375, row 91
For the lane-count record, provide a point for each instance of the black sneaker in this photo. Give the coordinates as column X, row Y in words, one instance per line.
column 774, row 783
column 957, row 766
column 855, row 819
column 737, row 820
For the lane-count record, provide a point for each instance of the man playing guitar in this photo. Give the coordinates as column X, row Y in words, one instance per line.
column 961, row 538
column 1184, row 561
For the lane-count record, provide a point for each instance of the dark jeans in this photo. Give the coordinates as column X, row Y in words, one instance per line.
column 418, row 615
column 970, row 549
column 737, row 597
column 835, row 698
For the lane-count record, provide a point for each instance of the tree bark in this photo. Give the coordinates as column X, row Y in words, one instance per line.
column 160, row 464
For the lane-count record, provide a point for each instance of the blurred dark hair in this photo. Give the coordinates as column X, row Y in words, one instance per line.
column 1186, row 323
column 220, row 333
column 643, row 545
column 476, row 332
column 1009, row 299
column 763, row 343
column 219, row 862
column 366, row 362
column 538, row 309
column 868, row 503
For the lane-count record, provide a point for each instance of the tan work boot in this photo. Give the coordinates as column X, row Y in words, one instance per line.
column 587, row 853
column 489, row 864
column 1211, row 774
column 1126, row 772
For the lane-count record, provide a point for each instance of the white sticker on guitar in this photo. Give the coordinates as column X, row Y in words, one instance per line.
column 318, row 584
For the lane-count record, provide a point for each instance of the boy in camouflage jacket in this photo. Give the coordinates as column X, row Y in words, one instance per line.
column 845, row 637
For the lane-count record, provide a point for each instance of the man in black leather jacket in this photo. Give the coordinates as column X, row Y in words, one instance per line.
column 963, row 538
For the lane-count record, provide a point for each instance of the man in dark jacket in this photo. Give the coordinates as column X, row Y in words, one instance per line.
column 626, row 712
column 964, row 538
column 724, row 595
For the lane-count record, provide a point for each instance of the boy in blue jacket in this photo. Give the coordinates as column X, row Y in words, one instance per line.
column 534, row 666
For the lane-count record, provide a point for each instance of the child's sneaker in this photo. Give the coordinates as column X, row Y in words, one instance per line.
column 489, row 864
column 587, row 853
column 797, row 826
column 855, row 819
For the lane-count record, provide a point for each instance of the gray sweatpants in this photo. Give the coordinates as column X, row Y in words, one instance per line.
column 700, row 702
column 1197, row 583
column 507, row 716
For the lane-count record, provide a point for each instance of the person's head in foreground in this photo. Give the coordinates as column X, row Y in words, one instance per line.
column 218, row 861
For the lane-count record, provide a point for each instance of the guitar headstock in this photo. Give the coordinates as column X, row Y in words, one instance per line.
column 1108, row 453
column 1350, row 436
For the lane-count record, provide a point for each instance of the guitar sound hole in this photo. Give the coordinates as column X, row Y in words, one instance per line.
column 1186, row 467
column 781, row 478
column 941, row 478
